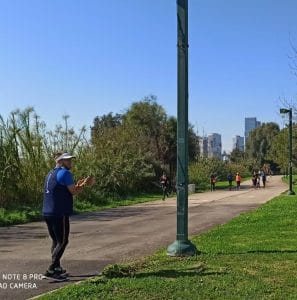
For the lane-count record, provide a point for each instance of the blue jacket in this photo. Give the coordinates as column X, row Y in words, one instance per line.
column 57, row 200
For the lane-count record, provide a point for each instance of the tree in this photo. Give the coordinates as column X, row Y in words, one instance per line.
column 118, row 165
column 169, row 145
column 259, row 142
column 133, row 148
column 157, row 133
column 104, row 123
column 144, row 138
column 147, row 119
column 279, row 151
column 236, row 156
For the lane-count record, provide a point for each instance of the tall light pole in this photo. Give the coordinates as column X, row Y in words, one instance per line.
column 289, row 111
column 182, row 246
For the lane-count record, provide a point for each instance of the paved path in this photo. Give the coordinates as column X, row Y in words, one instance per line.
column 115, row 235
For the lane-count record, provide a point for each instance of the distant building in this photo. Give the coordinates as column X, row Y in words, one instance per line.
column 238, row 143
column 225, row 156
column 215, row 145
column 203, row 146
column 249, row 125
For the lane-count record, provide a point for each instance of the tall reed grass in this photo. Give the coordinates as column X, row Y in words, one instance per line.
column 27, row 148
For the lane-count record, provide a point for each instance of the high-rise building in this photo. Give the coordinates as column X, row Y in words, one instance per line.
column 203, row 145
column 249, row 125
column 238, row 143
column 215, row 145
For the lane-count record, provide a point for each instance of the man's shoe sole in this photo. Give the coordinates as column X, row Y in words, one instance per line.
column 58, row 278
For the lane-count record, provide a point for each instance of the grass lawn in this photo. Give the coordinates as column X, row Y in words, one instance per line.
column 25, row 214
column 252, row 257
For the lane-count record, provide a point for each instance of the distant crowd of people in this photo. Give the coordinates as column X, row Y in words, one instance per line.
column 230, row 178
column 258, row 178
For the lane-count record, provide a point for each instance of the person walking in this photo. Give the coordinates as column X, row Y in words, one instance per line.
column 164, row 185
column 258, row 181
column 254, row 179
column 213, row 181
column 59, row 188
column 264, row 179
column 238, row 181
column 230, row 179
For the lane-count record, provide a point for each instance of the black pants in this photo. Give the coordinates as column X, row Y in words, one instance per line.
column 58, row 228
column 165, row 191
column 212, row 186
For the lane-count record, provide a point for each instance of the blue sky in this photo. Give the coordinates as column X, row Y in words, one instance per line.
column 90, row 57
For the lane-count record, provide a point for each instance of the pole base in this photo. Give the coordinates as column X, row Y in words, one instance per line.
column 182, row 248
column 290, row 192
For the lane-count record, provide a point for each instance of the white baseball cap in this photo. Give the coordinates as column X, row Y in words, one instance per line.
column 64, row 156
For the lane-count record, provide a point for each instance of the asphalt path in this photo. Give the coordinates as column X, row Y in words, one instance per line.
column 114, row 236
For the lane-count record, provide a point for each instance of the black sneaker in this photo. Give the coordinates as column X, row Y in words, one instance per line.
column 51, row 274
column 60, row 270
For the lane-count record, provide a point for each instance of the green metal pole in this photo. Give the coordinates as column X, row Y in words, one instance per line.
column 290, row 192
column 182, row 246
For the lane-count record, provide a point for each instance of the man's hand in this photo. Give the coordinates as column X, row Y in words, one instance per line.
column 75, row 189
column 90, row 181
column 86, row 181
column 79, row 182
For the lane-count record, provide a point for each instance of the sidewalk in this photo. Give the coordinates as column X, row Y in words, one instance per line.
column 116, row 235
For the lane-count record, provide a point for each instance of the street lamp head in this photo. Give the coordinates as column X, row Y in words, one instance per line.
column 284, row 110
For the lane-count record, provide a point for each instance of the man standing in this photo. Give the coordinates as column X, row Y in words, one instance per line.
column 59, row 188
